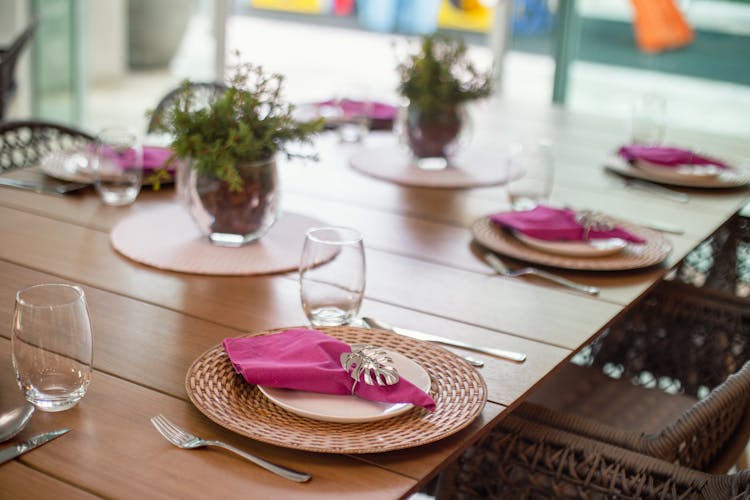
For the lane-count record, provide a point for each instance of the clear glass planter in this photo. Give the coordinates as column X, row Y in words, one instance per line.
column 434, row 137
column 234, row 218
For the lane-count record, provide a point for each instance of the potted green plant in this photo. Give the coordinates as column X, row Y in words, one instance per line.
column 438, row 79
column 230, row 147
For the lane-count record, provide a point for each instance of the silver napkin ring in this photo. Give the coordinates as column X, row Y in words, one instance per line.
column 370, row 363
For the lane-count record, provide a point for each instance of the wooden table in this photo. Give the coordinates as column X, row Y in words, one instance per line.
column 423, row 272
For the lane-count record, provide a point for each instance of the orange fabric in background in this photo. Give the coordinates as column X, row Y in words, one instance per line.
column 659, row 25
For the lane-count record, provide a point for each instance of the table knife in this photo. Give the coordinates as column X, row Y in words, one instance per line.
column 12, row 452
column 428, row 337
column 38, row 187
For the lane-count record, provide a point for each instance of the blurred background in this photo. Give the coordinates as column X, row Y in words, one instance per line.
column 97, row 63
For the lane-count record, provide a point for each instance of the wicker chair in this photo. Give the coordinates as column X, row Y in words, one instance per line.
column 24, row 143
column 521, row 459
column 203, row 93
column 8, row 60
column 669, row 381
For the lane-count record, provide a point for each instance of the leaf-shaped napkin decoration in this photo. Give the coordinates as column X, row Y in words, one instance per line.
column 370, row 363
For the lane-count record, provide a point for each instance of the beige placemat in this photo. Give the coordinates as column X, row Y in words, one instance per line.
column 165, row 237
column 466, row 170
column 654, row 251
column 225, row 397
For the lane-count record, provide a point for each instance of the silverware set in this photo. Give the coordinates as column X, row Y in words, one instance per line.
column 43, row 188
column 500, row 267
column 183, row 439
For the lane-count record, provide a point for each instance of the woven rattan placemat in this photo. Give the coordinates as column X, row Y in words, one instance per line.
column 457, row 388
column 731, row 178
column 654, row 251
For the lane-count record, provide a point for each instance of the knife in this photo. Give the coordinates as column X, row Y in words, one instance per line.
column 38, row 187
column 428, row 337
column 12, row 452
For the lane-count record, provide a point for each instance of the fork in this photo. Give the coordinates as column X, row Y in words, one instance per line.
column 500, row 267
column 182, row 439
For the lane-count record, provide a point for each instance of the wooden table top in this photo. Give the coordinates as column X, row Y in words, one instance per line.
column 423, row 271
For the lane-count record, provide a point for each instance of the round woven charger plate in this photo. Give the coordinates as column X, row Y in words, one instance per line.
column 654, row 251
column 226, row 398
column 467, row 170
column 731, row 178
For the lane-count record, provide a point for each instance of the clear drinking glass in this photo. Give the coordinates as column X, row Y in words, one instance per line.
column 118, row 166
column 648, row 119
column 353, row 105
column 52, row 345
column 531, row 168
column 332, row 275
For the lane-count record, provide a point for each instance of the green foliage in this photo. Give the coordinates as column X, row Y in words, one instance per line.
column 440, row 75
column 249, row 122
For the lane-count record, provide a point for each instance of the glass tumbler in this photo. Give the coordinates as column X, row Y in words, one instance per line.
column 52, row 345
column 118, row 166
column 531, row 168
column 332, row 275
column 648, row 119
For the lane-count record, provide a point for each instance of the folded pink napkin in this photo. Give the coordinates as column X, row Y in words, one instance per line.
column 556, row 224
column 153, row 158
column 375, row 110
column 667, row 156
column 309, row 360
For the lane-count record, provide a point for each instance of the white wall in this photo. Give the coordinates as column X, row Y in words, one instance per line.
column 106, row 39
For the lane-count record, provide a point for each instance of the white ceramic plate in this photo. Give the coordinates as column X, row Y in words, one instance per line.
column 67, row 166
column 591, row 248
column 349, row 409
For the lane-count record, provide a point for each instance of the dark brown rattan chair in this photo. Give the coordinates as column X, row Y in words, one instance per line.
column 203, row 94
column 8, row 60
column 670, row 379
column 521, row 459
column 24, row 143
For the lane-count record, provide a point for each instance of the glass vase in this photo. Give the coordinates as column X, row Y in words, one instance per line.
column 234, row 218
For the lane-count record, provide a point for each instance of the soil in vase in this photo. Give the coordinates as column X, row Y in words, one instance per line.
column 238, row 217
column 433, row 135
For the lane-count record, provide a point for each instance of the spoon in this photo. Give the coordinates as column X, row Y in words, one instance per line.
column 12, row 422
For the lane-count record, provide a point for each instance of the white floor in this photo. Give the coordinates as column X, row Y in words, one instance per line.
column 319, row 61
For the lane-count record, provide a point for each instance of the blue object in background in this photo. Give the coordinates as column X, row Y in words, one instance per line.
column 415, row 17
column 531, row 17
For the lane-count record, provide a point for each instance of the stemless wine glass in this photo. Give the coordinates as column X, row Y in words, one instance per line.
column 52, row 346
column 531, row 170
column 648, row 119
column 332, row 275
column 118, row 166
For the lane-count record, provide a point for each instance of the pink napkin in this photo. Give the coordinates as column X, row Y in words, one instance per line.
column 308, row 360
column 666, row 156
column 556, row 224
column 377, row 110
column 153, row 158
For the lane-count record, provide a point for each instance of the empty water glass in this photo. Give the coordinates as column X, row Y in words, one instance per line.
column 332, row 275
column 648, row 119
column 118, row 166
column 52, row 345
column 353, row 107
column 531, row 168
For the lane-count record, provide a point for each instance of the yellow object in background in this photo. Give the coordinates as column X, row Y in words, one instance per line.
column 303, row 6
column 469, row 15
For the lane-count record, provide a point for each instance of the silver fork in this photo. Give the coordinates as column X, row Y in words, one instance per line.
column 500, row 267
column 182, row 439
